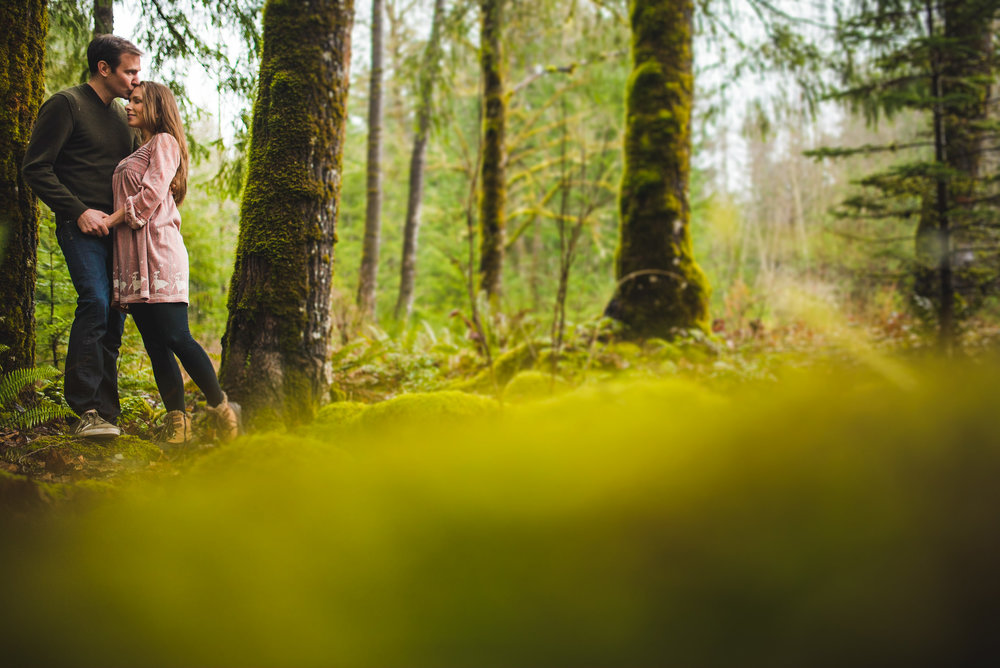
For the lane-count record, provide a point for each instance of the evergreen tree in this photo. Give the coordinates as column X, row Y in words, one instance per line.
column 22, row 87
column 660, row 286
column 935, row 57
column 275, row 349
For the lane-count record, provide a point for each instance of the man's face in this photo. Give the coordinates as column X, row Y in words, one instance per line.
column 125, row 77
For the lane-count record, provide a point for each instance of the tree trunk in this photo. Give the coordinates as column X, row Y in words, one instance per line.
column 104, row 17
column 22, row 87
column 274, row 357
column 429, row 70
column 660, row 286
column 373, row 211
column 493, row 175
column 960, row 82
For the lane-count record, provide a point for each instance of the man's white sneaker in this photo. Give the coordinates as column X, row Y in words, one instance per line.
column 92, row 425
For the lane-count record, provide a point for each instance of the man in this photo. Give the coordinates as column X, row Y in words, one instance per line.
column 79, row 138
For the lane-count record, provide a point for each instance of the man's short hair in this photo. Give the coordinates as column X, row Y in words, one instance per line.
column 109, row 48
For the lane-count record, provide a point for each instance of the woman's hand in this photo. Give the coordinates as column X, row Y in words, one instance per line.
column 117, row 218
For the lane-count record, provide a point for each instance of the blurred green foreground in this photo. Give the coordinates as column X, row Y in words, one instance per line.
column 835, row 519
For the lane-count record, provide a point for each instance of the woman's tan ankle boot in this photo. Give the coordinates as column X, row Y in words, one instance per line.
column 176, row 428
column 227, row 419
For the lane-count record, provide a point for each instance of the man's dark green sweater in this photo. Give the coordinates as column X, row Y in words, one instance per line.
column 75, row 146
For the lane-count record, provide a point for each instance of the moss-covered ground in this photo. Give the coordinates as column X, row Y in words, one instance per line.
column 671, row 503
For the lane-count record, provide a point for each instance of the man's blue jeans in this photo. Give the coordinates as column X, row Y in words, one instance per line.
column 92, row 357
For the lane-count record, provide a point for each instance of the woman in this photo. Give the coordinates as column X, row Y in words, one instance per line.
column 150, row 272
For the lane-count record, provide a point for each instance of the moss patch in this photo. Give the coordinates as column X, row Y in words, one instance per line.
column 407, row 411
column 533, row 385
column 505, row 367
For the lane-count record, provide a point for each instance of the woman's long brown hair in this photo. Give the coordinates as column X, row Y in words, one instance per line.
column 160, row 114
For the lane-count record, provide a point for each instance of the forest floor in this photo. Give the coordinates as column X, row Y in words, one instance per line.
column 46, row 465
column 632, row 510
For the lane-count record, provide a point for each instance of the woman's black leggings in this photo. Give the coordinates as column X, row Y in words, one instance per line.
column 164, row 330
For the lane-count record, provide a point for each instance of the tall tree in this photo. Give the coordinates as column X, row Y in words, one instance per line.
column 274, row 358
column 961, row 68
column 936, row 59
column 104, row 17
column 430, row 68
column 373, row 209
column 22, row 87
column 493, row 171
column 660, row 286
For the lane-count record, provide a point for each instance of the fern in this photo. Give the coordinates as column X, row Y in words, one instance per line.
column 12, row 383
column 15, row 416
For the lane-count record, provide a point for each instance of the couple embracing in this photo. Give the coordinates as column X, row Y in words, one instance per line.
column 114, row 178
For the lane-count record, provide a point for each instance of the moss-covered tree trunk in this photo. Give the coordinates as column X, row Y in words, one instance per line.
column 104, row 17
column 493, row 175
column 429, row 69
column 274, row 358
column 373, row 210
column 22, row 86
column 660, row 286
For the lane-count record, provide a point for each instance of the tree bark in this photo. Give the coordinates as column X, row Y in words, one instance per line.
column 660, row 286
column 368, row 279
column 104, row 17
column 22, row 87
column 275, row 349
column 429, row 70
column 493, row 171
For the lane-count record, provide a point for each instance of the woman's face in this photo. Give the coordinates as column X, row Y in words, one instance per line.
column 133, row 110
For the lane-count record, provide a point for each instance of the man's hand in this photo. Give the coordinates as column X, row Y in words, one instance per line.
column 91, row 222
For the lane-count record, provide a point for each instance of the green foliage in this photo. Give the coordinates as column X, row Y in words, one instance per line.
column 39, row 409
column 55, row 297
column 210, row 227
column 554, row 53
column 70, row 32
column 373, row 366
column 180, row 34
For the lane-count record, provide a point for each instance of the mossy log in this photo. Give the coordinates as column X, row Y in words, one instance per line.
column 278, row 332
column 660, row 286
column 22, row 86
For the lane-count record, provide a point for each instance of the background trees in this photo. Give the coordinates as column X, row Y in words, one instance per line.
column 430, row 67
column 758, row 215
